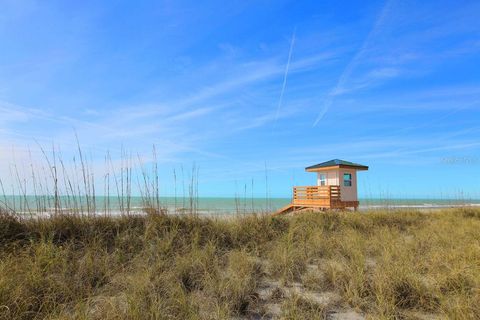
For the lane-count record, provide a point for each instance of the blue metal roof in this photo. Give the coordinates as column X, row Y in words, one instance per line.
column 338, row 162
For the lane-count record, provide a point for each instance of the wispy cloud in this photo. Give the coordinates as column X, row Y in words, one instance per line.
column 287, row 67
column 173, row 124
column 346, row 73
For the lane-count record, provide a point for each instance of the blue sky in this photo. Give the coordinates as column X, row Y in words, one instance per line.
column 239, row 86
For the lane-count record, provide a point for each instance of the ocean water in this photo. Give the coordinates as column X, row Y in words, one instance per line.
column 202, row 205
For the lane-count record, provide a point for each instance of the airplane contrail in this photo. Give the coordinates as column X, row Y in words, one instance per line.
column 345, row 75
column 285, row 76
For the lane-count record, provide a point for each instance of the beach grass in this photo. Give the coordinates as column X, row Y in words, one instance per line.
column 377, row 265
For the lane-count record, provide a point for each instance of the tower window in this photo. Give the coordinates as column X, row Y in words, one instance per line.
column 322, row 177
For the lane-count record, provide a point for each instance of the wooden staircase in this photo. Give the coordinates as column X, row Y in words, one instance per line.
column 292, row 208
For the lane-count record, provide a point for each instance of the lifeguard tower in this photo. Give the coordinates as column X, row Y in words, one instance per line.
column 336, row 188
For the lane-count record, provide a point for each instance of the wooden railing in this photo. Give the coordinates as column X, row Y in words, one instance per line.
column 313, row 198
column 322, row 196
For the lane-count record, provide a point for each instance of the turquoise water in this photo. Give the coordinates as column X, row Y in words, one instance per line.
column 132, row 204
column 210, row 205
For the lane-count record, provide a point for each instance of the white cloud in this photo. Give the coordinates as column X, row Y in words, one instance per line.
column 346, row 73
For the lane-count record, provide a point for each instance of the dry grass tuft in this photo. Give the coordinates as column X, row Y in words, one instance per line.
column 297, row 307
